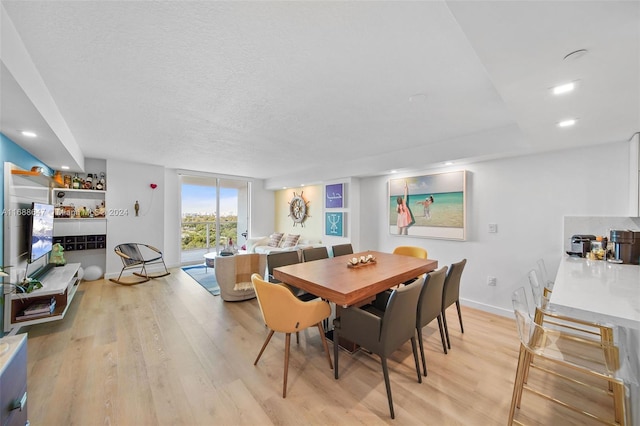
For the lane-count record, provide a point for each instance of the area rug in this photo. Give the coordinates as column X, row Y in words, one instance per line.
column 206, row 277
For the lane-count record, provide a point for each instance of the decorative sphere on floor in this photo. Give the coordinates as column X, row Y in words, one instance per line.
column 92, row 273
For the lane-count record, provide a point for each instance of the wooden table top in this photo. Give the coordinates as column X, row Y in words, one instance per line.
column 333, row 280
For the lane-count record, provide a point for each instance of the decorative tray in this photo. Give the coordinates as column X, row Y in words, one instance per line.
column 355, row 262
column 360, row 265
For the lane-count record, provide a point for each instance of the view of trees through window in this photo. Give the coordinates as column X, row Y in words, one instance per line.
column 201, row 199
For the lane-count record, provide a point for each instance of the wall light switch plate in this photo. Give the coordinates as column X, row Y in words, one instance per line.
column 493, row 228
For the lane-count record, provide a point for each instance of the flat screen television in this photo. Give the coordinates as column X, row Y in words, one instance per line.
column 40, row 231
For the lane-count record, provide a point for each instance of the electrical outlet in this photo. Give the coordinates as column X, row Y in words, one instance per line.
column 493, row 228
column 491, row 281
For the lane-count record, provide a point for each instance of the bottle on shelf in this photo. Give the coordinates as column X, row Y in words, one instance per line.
column 76, row 181
column 88, row 182
column 101, row 185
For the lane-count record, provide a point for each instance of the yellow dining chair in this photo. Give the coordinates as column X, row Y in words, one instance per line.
column 413, row 251
column 284, row 313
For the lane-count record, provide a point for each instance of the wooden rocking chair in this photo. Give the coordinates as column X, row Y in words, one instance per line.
column 132, row 257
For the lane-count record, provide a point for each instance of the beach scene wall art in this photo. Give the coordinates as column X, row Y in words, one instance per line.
column 428, row 206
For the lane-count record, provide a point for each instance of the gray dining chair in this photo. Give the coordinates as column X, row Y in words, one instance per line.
column 342, row 250
column 429, row 308
column 314, row 253
column 451, row 295
column 285, row 258
column 382, row 327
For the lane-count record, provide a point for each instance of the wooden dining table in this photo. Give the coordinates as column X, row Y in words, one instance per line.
column 334, row 280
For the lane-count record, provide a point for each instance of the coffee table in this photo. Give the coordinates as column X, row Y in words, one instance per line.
column 209, row 260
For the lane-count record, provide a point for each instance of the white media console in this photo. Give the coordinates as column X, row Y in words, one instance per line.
column 60, row 282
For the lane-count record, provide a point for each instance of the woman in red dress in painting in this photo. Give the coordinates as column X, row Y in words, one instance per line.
column 404, row 215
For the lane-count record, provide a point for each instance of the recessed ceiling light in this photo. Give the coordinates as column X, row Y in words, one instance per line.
column 564, row 88
column 567, row 123
column 448, row 163
column 393, row 171
column 28, row 134
column 64, row 167
column 418, row 97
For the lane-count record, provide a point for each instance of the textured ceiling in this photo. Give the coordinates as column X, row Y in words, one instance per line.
column 301, row 92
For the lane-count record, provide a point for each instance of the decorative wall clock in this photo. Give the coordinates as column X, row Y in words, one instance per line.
column 298, row 209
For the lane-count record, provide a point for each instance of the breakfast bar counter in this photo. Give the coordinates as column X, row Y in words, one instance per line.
column 608, row 293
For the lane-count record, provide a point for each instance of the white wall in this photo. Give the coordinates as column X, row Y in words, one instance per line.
column 126, row 183
column 262, row 210
column 527, row 197
column 172, row 218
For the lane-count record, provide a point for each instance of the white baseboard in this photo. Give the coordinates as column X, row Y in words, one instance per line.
column 487, row 308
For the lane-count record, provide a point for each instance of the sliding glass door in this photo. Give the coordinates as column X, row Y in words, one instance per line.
column 215, row 215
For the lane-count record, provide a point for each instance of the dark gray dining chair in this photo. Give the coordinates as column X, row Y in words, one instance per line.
column 382, row 327
column 314, row 253
column 284, row 258
column 281, row 258
column 342, row 250
column 451, row 295
column 429, row 308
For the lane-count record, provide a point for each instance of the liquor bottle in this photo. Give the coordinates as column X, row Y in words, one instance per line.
column 88, row 182
column 76, row 181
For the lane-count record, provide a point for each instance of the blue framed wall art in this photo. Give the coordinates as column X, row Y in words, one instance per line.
column 334, row 224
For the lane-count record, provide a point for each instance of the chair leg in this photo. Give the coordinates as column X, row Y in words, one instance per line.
column 618, row 402
column 335, row 351
column 297, row 337
column 424, row 361
column 459, row 315
column 266, row 342
column 286, row 364
column 446, row 329
column 517, row 385
column 324, row 343
column 444, row 344
column 415, row 357
column 385, row 372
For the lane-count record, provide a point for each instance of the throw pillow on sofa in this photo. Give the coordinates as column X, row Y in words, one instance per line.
column 274, row 239
column 290, row 241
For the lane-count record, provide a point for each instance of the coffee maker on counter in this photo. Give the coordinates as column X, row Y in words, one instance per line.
column 581, row 245
column 626, row 246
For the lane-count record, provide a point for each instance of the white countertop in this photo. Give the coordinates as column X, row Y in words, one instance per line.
column 599, row 290
column 607, row 293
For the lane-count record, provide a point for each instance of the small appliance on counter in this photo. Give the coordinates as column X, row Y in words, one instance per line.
column 626, row 246
column 580, row 245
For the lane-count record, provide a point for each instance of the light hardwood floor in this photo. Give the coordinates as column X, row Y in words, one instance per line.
column 166, row 352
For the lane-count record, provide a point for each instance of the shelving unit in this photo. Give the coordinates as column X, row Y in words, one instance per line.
column 37, row 178
column 83, row 238
column 60, row 282
column 88, row 199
